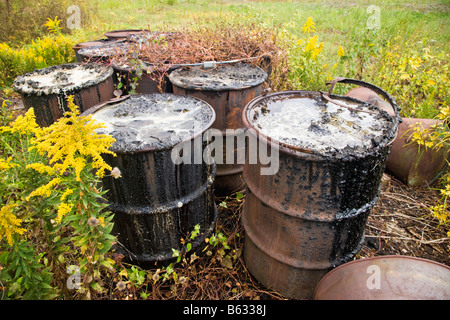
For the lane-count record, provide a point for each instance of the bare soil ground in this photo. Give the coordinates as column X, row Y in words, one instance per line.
column 401, row 224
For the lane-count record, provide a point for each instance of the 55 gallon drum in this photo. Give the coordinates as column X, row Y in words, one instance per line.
column 310, row 215
column 227, row 88
column 157, row 201
column 46, row 90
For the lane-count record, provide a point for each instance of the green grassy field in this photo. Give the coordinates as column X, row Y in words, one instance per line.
column 336, row 19
column 405, row 28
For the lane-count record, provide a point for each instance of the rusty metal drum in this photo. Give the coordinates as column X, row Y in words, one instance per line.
column 103, row 52
column 87, row 44
column 148, row 81
column 158, row 200
column 393, row 277
column 124, row 34
column 309, row 216
column 227, row 88
column 46, row 90
column 408, row 162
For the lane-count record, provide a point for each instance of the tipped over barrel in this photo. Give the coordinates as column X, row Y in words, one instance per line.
column 310, row 215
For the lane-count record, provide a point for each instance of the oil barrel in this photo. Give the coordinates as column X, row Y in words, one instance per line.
column 310, row 215
column 103, row 52
column 158, row 200
column 87, row 44
column 46, row 90
column 227, row 88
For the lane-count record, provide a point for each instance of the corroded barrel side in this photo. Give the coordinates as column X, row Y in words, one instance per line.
column 310, row 215
column 46, row 90
column 228, row 89
column 157, row 201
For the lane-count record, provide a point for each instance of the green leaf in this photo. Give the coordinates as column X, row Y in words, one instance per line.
column 97, row 287
column 188, row 247
column 223, row 204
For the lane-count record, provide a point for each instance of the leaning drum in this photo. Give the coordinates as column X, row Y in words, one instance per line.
column 158, row 199
column 310, row 215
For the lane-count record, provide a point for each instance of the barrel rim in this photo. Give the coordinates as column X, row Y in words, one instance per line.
column 305, row 152
column 177, row 83
column 87, row 44
column 113, row 34
column 108, row 44
column 57, row 89
column 97, row 107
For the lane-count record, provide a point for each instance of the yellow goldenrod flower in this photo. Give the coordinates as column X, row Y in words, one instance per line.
column 66, row 194
column 341, row 52
column 63, row 209
column 6, row 164
column 23, row 124
column 309, row 26
column 45, row 190
column 9, row 224
column 41, row 168
column 71, row 142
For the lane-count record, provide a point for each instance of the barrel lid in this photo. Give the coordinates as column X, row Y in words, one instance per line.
column 105, row 50
column 220, row 78
column 124, row 34
column 305, row 121
column 62, row 78
column 156, row 121
column 92, row 43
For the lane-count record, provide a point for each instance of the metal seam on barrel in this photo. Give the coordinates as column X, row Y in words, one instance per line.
column 338, row 215
column 165, row 256
column 291, row 261
column 169, row 206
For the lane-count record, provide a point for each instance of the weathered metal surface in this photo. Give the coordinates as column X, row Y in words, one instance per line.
column 227, row 88
column 411, row 164
column 104, row 52
column 386, row 278
column 157, row 202
column 310, row 216
column 124, row 34
column 46, row 90
column 414, row 165
column 87, row 44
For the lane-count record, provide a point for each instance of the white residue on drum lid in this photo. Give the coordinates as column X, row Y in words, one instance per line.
column 153, row 121
column 61, row 78
column 307, row 123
